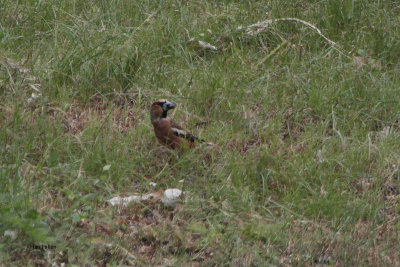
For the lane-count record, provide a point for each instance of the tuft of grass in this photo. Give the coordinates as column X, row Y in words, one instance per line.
column 305, row 170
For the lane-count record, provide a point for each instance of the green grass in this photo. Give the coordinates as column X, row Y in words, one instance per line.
column 305, row 170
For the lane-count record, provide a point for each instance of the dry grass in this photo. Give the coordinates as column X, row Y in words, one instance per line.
column 305, row 167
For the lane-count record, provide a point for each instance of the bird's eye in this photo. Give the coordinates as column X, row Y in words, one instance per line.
column 161, row 103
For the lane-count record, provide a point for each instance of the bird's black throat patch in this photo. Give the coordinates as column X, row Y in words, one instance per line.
column 164, row 114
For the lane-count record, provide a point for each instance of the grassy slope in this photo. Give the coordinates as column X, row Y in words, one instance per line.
column 306, row 168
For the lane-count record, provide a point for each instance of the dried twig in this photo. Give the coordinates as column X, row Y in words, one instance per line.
column 262, row 26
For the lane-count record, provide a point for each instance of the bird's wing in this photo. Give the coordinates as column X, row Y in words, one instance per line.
column 178, row 131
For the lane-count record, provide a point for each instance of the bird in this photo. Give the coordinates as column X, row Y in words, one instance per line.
column 168, row 132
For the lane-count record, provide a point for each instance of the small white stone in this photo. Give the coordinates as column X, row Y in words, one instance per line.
column 205, row 45
column 170, row 196
column 11, row 234
column 33, row 97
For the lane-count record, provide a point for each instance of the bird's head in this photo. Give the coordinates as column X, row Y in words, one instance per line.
column 159, row 109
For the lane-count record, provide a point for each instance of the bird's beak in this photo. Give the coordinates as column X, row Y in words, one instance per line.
column 168, row 105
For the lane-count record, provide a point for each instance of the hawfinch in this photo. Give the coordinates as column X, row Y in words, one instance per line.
column 167, row 131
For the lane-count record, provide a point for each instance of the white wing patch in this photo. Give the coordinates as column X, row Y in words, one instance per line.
column 178, row 132
column 187, row 136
